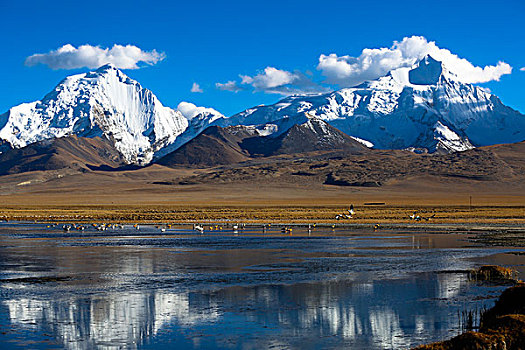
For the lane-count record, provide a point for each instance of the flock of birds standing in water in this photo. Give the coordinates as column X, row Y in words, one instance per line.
column 346, row 215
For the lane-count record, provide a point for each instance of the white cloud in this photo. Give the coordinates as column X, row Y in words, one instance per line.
column 196, row 88
column 522, row 69
column 275, row 81
column 69, row 57
column 190, row 111
column 229, row 86
column 373, row 63
column 270, row 78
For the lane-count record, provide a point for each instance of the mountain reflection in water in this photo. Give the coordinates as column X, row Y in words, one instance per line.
column 187, row 293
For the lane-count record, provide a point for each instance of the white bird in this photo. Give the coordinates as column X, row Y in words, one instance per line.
column 198, row 228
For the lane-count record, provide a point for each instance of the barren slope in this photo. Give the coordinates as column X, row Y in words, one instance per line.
column 72, row 152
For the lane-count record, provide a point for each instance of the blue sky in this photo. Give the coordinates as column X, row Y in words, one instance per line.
column 209, row 42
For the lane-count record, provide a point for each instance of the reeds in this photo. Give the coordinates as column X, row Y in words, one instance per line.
column 470, row 320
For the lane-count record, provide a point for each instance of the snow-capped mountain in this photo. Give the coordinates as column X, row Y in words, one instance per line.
column 101, row 103
column 421, row 108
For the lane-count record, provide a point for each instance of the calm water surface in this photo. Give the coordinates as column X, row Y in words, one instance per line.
column 144, row 289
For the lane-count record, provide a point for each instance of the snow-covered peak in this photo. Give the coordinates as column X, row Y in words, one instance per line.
column 420, row 107
column 107, row 67
column 422, row 75
column 427, row 72
column 104, row 102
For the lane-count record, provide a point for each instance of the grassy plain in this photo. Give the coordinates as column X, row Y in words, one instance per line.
column 93, row 197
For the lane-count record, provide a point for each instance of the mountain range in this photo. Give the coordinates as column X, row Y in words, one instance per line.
column 104, row 118
column 423, row 108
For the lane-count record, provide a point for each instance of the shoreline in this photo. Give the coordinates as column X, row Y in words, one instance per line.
column 461, row 227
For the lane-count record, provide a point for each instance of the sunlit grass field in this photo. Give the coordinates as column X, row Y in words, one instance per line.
column 266, row 213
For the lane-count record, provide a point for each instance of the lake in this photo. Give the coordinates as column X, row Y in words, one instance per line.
column 125, row 288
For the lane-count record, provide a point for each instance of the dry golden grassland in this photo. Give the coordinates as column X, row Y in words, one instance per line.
column 265, row 213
